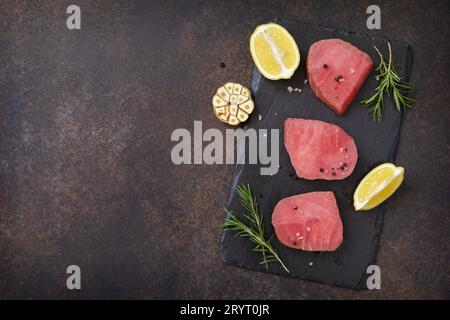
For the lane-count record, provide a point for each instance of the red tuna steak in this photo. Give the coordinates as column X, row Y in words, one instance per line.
column 309, row 221
column 319, row 150
column 336, row 71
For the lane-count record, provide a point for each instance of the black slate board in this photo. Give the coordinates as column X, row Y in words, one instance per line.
column 376, row 144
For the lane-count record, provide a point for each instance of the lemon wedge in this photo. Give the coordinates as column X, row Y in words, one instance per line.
column 274, row 51
column 377, row 186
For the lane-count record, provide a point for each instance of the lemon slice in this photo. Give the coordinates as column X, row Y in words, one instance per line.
column 377, row 186
column 274, row 51
column 233, row 103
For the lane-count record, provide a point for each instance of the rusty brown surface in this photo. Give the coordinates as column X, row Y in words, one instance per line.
column 86, row 176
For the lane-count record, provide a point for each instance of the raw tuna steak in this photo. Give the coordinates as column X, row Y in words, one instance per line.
column 336, row 71
column 309, row 221
column 319, row 150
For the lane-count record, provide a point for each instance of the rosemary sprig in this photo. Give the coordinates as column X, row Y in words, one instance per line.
column 390, row 84
column 254, row 231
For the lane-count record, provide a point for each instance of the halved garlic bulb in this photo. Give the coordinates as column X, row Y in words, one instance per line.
column 233, row 103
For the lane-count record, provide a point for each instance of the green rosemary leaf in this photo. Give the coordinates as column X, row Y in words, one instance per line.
column 255, row 230
column 391, row 85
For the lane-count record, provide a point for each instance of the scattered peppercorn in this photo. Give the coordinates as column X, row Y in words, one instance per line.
column 342, row 167
column 294, row 243
column 338, row 78
column 325, row 66
column 321, row 170
column 333, row 173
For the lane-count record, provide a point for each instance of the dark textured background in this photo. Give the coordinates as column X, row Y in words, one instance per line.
column 85, row 170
